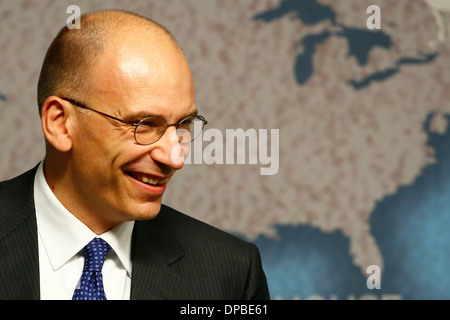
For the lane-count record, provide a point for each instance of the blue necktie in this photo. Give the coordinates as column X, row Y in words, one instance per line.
column 90, row 286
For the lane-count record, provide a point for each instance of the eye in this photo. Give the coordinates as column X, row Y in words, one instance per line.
column 151, row 124
column 187, row 123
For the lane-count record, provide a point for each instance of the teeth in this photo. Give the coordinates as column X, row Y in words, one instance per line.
column 153, row 182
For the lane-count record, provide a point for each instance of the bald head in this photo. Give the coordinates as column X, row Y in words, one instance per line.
column 73, row 53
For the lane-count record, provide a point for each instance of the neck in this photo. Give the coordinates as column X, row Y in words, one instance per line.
column 65, row 189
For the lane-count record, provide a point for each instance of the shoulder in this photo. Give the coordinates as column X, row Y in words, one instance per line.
column 19, row 183
column 16, row 201
column 16, row 191
column 197, row 240
column 193, row 231
column 228, row 265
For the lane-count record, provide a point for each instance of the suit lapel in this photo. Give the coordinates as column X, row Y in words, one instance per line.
column 19, row 257
column 156, row 254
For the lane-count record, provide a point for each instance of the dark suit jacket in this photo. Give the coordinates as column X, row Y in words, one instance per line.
column 174, row 256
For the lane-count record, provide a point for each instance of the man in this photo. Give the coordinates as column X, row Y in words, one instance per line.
column 116, row 100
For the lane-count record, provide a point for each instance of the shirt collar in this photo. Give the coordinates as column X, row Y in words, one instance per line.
column 63, row 235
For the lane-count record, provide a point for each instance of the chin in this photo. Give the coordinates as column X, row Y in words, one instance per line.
column 147, row 211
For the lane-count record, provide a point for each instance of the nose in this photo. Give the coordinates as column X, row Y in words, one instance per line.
column 168, row 151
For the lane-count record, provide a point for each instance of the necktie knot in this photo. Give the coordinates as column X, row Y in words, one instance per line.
column 94, row 254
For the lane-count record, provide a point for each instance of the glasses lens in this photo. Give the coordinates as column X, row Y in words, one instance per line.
column 150, row 130
column 189, row 129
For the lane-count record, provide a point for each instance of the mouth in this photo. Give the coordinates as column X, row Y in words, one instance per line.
column 148, row 178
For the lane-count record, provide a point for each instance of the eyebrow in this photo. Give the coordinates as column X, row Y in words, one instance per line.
column 193, row 114
column 139, row 115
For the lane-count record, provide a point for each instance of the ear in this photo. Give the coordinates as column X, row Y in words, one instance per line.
column 55, row 124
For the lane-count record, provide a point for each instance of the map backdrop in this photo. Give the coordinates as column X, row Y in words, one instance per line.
column 363, row 175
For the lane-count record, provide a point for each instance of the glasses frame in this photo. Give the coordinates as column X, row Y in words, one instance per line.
column 137, row 124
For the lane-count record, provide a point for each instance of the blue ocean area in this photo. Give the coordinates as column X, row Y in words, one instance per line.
column 412, row 227
column 307, row 263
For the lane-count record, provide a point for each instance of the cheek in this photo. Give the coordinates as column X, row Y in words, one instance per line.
column 95, row 159
column 102, row 153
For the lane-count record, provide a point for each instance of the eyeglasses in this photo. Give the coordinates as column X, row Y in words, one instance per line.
column 151, row 129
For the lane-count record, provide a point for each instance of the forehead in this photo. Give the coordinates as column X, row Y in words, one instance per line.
column 139, row 82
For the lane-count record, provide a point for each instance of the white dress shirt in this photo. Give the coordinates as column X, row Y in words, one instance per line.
column 61, row 240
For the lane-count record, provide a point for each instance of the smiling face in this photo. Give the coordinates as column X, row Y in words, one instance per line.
column 109, row 178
